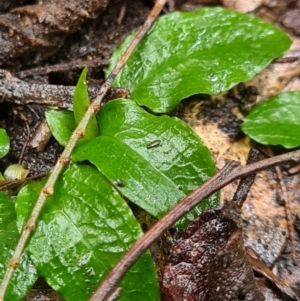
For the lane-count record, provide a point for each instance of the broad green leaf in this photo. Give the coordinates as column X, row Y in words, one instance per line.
column 25, row 275
column 82, row 232
column 154, row 178
column 141, row 182
column 4, row 143
column 276, row 121
column 62, row 124
column 80, row 105
column 181, row 155
column 205, row 51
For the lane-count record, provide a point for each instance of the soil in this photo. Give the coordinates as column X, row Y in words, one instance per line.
column 90, row 38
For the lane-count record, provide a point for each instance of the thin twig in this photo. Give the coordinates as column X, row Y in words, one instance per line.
column 287, row 292
column 12, row 184
column 229, row 173
column 16, row 91
column 290, row 226
column 64, row 159
column 122, row 13
column 286, row 197
column 27, row 138
column 245, row 184
column 40, row 137
column 63, row 67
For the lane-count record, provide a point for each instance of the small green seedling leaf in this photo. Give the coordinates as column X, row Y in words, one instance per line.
column 206, row 51
column 62, row 124
column 276, row 121
column 83, row 230
column 4, row 143
column 80, row 105
column 25, row 275
column 157, row 159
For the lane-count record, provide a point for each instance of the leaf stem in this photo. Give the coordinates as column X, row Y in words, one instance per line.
column 229, row 173
column 64, row 159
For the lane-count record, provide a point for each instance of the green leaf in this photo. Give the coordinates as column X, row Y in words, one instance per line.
column 81, row 103
column 4, row 143
column 82, row 232
column 155, row 178
column 140, row 182
column 206, row 51
column 62, row 124
column 25, row 275
column 276, row 121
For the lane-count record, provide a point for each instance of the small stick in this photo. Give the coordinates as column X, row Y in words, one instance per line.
column 11, row 184
column 122, row 13
column 245, row 184
column 259, row 266
column 24, row 119
column 16, row 91
column 64, row 159
column 287, row 205
column 40, row 137
column 63, row 67
column 294, row 169
column 289, row 218
column 229, row 173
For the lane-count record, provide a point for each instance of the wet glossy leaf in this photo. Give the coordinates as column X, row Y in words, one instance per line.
column 206, row 51
column 83, row 230
column 276, row 121
column 4, row 143
column 62, row 123
column 81, row 103
column 131, row 174
column 158, row 159
column 24, row 276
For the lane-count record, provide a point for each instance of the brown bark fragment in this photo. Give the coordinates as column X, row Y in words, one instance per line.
column 16, row 91
column 208, row 263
